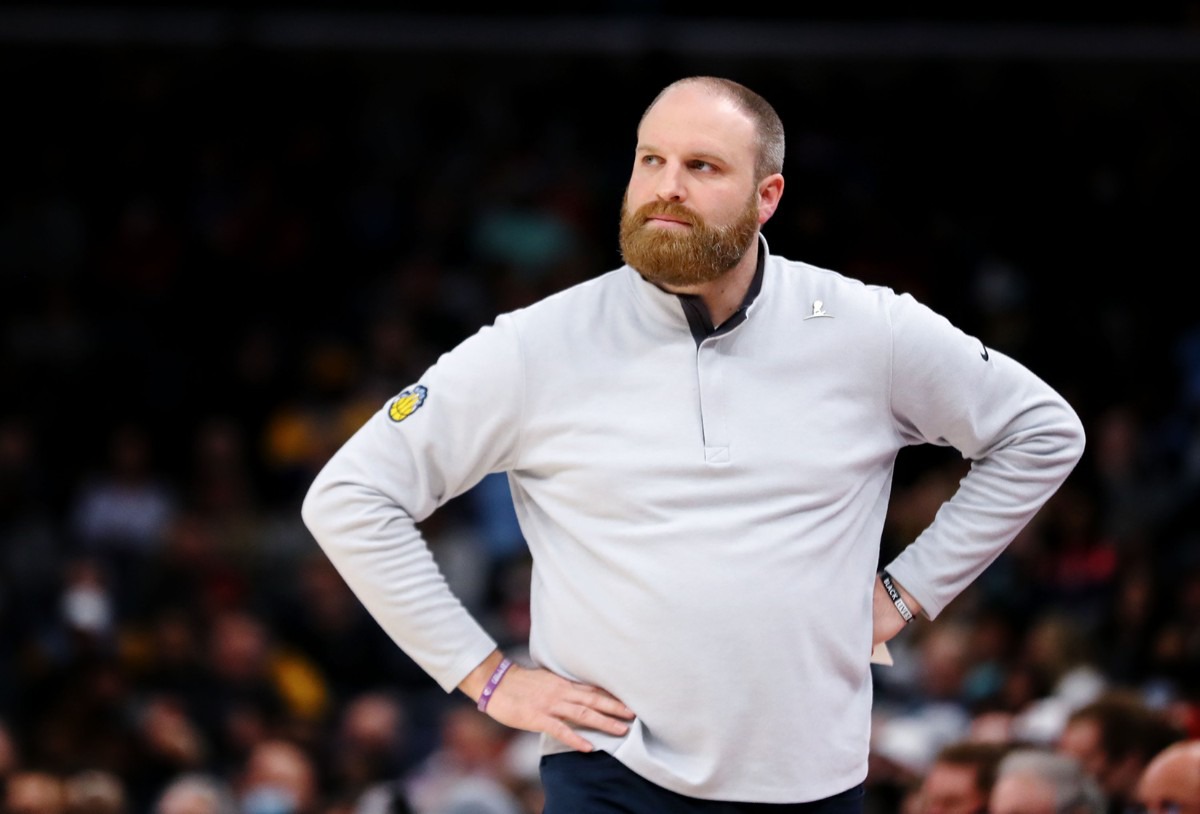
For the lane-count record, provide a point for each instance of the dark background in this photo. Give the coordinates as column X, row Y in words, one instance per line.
column 1057, row 145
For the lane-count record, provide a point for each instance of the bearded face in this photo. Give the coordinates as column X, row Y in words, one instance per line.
column 684, row 257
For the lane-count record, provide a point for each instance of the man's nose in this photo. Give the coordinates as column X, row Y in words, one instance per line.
column 670, row 184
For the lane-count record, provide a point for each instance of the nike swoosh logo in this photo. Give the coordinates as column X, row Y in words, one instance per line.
column 984, row 352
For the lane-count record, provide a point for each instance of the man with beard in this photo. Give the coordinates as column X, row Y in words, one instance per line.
column 700, row 446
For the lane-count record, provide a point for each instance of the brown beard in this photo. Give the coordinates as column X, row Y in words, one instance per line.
column 689, row 257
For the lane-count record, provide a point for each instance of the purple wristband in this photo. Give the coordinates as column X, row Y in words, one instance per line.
column 493, row 682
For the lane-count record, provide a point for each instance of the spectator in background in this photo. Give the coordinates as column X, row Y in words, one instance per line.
column 1040, row 781
column 470, row 764
column 931, row 713
column 960, row 779
column 81, row 711
column 1170, row 783
column 1078, row 564
column 383, row 798
column 316, row 614
column 1062, row 665
column 1114, row 737
column 1175, row 657
column 93, row 791
column 69, row 678
column 238, row 701
column 35, row 791
column 221, row 491
column 87, row 621
column 1131, row 621
column 369, row 745
column 196, row 793
column 123, row 510
column 491, row 501
column 167, row 744
column 278, row 777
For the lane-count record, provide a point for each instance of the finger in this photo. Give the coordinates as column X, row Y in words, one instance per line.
column 560, row 731
column 592, row 719
column 616, row 709
column 605, row 702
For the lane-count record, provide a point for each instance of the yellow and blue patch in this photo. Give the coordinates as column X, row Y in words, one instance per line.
column 407, row 402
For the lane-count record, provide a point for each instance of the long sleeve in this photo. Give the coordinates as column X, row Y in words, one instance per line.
column 1021, row 437
column 427, row 445
column 681, row 497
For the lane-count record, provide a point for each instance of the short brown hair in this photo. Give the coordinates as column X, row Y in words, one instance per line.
column 1128, row 726
column 766, row 120
column 983, row 756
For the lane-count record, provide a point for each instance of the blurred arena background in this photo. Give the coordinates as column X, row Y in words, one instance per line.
column 229, row 233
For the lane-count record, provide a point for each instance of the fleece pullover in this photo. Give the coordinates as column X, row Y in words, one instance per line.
column 704, row 508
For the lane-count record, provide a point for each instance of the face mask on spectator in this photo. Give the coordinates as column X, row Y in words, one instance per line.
column 268, row 800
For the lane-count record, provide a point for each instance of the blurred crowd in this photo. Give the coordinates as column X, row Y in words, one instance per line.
column 214, row 266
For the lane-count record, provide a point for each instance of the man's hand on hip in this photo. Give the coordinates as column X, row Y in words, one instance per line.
column 537, row 700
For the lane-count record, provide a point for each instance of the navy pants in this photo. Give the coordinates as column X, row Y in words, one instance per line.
column 598, row 783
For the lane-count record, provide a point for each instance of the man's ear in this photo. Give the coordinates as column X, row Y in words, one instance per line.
column 770, row 190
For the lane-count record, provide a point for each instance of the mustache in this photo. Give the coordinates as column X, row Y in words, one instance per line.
column 669, row 209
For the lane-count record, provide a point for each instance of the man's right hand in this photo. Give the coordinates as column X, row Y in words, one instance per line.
column 537, row 700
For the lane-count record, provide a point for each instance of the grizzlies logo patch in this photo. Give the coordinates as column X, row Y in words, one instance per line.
column 407, row 403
